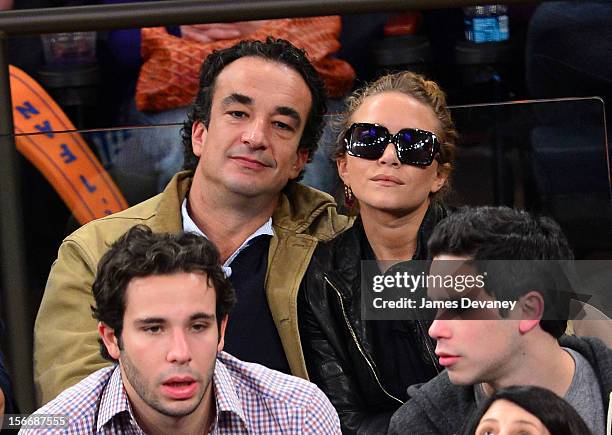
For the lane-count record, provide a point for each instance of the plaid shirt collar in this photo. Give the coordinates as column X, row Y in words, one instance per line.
column 226, row 398
column 115, row 403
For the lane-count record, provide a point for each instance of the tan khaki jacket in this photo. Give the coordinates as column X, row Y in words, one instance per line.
column 66, row 349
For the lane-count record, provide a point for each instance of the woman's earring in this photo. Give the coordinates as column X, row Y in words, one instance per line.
column 349, row 198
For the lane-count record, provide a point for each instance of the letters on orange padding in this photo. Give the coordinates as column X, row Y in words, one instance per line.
column 64, row 159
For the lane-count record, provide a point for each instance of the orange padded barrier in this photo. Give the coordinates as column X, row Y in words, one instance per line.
column 64, row 159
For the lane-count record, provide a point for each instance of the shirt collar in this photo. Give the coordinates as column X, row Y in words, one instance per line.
column 189, row 226
column 226, row 399
column 114, row 401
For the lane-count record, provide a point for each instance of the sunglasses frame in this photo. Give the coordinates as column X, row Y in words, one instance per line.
column 393, row 138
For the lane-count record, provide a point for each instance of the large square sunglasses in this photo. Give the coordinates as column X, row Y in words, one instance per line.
column 412, row 145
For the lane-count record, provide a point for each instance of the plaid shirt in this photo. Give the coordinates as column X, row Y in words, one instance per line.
column 250, row 398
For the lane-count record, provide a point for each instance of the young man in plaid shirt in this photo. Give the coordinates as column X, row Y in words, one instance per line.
column 162, row 303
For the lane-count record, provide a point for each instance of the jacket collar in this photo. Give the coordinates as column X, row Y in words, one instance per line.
column 435, row 213
column 351, row 247
column 168, row 213
column 299, row 209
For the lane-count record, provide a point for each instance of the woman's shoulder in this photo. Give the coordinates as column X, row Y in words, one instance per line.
column 338, row 259
column 344, row 246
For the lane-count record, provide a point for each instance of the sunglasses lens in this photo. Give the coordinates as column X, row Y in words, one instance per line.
column 415, row 147
column 367, row 141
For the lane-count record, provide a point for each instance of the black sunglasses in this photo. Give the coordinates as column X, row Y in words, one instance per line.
column 413, row 146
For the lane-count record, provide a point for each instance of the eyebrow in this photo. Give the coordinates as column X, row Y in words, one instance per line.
column 202, row 316
column 156, row 320
column 248, row 101
column 149, row 320
column 237, row 98
column 288, row 111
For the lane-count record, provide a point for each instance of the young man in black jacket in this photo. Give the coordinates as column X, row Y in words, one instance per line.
column 484, row 349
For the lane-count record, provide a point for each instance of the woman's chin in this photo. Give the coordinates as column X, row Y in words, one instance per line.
column 392, row 207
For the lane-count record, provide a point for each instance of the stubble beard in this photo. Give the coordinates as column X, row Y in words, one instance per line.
column 152, row 399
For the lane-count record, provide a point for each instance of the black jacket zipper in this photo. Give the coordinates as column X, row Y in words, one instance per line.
column 352, row 332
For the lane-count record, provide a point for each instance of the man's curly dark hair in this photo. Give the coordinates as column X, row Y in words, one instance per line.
column 274, row 50
column 140, row 253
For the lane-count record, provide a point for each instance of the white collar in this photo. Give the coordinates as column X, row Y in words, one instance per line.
column 189, row 226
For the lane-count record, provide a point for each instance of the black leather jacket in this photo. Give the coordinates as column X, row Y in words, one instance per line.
column 338, row 355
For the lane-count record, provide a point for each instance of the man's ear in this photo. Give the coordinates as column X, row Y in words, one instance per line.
column 110, row 339
column 298, row 165
column 198, row 137
column 222, row 334
column 531, row 306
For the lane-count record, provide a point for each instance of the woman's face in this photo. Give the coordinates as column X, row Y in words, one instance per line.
column 505, row 418
column 386, row 184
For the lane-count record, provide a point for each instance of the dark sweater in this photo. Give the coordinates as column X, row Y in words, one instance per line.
column 251, row 334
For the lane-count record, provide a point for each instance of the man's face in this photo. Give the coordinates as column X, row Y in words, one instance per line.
column 170, row 341
column 258, row 113
column 474, row 345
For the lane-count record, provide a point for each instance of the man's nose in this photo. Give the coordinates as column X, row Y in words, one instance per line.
column 179, row 351
column 439, row 329
column 254, row 134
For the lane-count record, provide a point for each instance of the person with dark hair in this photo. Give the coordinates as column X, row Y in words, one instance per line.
column 162, row 303
column 277, row 51
column 489, row 348
column 395, row 154
column 525, row 409
column 254, row 125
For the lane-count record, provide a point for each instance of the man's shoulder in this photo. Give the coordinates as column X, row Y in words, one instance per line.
column 162, row 212
column 79, row 403
column 302, row 209
column 440, row 391
column 592, row 348
column 270, row 401
column 93, row 239
column 254, row 381
column 436, row 406
column 595, row 352
column 118, row 223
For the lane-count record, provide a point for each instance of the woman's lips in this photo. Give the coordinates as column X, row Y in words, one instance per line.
column 387, row 180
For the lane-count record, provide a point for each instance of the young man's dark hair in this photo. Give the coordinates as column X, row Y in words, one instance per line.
column 275, row 50
column 141, row 253
column 502, row 233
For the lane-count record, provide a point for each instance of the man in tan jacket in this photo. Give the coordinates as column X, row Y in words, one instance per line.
column 255, row 123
